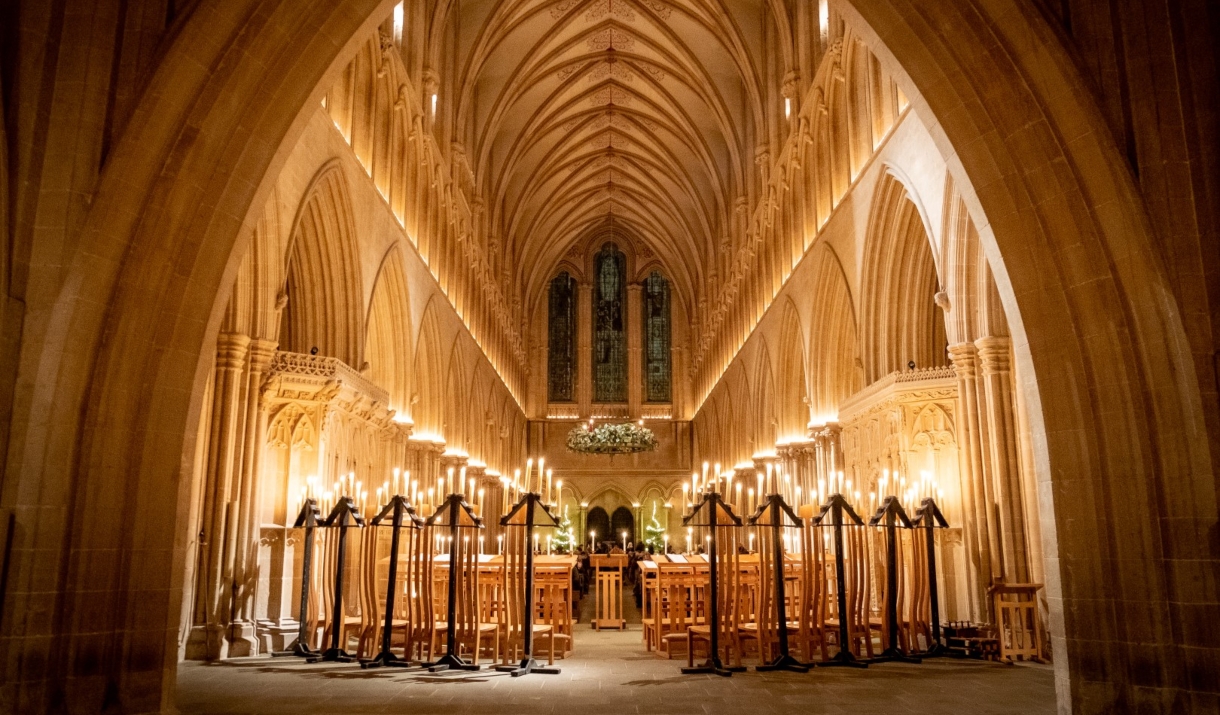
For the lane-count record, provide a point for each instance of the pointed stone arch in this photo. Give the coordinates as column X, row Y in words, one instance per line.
column 834, row 372
column 898, row 285
column 792, row 396
column 428, row 399
column 765, row 419
column 323, row 285
column 388, row 333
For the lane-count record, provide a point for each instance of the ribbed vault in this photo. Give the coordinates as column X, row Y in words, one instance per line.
column 588, row 118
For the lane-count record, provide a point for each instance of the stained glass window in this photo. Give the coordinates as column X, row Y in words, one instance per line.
column 609, row 329
column 561, row 357
column 656, row 339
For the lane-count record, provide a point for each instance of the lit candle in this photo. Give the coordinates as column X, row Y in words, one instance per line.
column 624, row 541
column 535, row 542
column 737, row 501
column 481, row 505
column 500, row 544
column 751, row 548
column 541, row 471
column 592, row 537
column 548, row 485
column 559, row 487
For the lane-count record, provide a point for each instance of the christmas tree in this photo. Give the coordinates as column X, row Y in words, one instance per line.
column 654, row 535
column 562, row 543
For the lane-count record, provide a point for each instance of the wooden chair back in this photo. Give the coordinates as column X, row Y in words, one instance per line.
column 1017, row 624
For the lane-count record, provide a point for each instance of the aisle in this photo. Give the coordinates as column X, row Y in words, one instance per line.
column 610, row 674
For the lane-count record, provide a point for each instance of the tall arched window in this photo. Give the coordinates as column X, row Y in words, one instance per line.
column 609, row 330
column 561, row 356
column 656, row 339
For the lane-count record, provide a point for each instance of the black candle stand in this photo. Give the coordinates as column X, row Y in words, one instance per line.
column 399, row 511
column 454, row 514
column 890, row 515
column 836, row 507
column 344, row 516
column 718, row 514
column 775, row 514
column 308, row 520
column 524, row 516
column 928, row 517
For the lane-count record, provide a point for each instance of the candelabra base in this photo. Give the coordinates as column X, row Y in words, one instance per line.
column 333, row 655
column 527, row 666
column 784, row 662
column 843, row 658
column 451, row 662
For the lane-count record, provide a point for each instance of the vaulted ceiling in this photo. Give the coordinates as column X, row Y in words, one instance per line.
column 583, row 119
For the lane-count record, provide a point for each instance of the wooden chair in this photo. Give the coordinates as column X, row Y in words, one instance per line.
column 512, row 602
column 372, row 608
column 811, row 612
column 1017, row 624
column 351, row 622
column 608, row 569
column 729, row 594
column 421, row 597
column 471, row 629
column 679, row 589
column 554, row 594
column 648, row 604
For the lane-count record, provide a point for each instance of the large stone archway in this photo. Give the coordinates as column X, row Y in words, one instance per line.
column 104, row 410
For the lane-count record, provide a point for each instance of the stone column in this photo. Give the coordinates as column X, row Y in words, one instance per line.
column 994, row 355
column 212, row 615
column 635, row 354
column 584, row 349
column 242, row 640
column 976, row 528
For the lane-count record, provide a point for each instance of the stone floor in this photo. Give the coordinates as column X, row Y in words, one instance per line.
column 609, row 672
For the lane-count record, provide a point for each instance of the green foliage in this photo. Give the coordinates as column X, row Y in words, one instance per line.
column 625, row 438
column 564, row 537
column 654, row 535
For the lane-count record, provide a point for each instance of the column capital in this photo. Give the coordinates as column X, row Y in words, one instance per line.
column 261, row 353
column 994, row 354
column 964, row 357
column 231, row 350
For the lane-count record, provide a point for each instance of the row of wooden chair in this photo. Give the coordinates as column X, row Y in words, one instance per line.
column 675, row 598
column 487, row 610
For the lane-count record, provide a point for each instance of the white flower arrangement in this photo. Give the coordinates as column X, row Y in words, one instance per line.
column 626, row 438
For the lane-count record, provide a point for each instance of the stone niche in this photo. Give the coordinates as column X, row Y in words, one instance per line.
column 906, row 423
column 324, row 420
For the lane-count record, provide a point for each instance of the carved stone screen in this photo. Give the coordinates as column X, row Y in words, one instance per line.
column 656, row 339
column 561, row 328
column 609, row 331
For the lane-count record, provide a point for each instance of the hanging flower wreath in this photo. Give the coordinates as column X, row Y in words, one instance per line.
column 626, row 438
